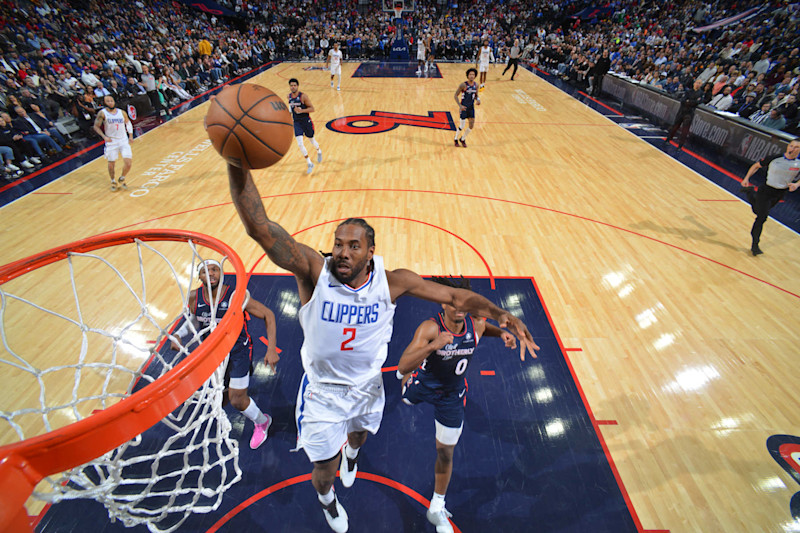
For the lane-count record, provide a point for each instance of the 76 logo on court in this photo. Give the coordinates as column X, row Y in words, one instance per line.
column 381, row 121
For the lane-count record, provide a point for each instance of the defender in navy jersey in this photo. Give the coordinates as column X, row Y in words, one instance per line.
column 341, row 396
column 467, row 98
column 210, row 306
column 301, row 107
column 783, row 172
column 440, row 352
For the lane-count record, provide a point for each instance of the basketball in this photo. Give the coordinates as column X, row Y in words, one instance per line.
column 249, row 125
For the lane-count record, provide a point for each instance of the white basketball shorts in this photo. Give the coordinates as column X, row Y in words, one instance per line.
column 336, row 70
column 326, row 413
column 483, row 67
column 115, row 149
column 421, row 53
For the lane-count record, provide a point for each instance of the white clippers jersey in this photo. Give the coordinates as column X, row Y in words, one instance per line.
column 347, row 331
column 486, row 55
column 115, row 125
column 336, row 57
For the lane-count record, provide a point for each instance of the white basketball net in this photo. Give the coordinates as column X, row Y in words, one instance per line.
column 184, row 463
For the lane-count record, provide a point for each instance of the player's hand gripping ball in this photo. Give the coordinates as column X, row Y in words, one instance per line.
column 249, row 125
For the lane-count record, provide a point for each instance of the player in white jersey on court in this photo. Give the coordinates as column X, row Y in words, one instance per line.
column 348, row 303
column 117, row 132
column 421, row 54
column 334, row 63
column 485, row 56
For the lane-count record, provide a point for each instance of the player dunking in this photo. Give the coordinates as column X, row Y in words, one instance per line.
column 348, row 303
column 485, row 56
column 302, row 108
column 442, row 347
column 334, row 63
column 206, row 306
column 117, row 133
column 466, row 106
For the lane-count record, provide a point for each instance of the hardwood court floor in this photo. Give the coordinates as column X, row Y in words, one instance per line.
column 684, row 345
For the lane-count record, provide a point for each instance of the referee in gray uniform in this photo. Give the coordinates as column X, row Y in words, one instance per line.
column 513, row 58
column 783, row 172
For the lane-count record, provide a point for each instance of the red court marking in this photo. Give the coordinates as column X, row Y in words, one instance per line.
column 598, row 102
column 307, row 477
column 709, row 163
column 153, row 342
column 266, row 342
column 483, row 373
column 604, row 423
column 48, row 167
column 51, row 193
column 488, row 269
column 597, row 431
column 465, row 195
column 387, row 369
column 540, row 70
column 574, row 349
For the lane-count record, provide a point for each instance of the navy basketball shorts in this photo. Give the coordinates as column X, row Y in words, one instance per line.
column 304, row 127
column 469, row 112
column 448, row 405
column 239, row 364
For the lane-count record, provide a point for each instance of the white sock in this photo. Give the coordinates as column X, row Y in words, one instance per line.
column 437, row 502
column 254, row 413
column 351, row 453
column 326, row 499
column 302, row 146
column 465, row 133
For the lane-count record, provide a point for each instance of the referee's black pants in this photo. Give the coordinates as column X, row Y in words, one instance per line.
column 762, row 201
column 512, row 61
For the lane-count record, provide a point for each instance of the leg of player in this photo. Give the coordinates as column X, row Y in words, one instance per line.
column 443, row 470
column 349, row 465
column 331, row 80
column 315, row 144
column 111, row 172
column 127, row 162
column 322, row 477
column 339, row 83
column 244, row 403
column 461, row 123
column 305, row 154
column 466, row 132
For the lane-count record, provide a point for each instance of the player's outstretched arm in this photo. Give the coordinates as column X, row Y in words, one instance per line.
column 426, row 340
column 281, row 247
column 404, row 281
column 490, row 330
column 259, row 310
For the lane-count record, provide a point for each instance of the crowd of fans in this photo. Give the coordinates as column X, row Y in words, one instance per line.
column 59, row 58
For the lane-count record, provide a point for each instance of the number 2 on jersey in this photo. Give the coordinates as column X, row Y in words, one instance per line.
column 352, row 333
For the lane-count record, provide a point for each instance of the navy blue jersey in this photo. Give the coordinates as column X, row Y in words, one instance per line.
column 470, row 94
column 445, row 368
column 202, row 310
column 295, row 103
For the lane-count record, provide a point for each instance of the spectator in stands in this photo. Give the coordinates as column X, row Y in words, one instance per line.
column 35, row 136
column 84, row 109
column 761, row 115
column 762, row 66
column 41, row 124
column 774, row 120
column 749, row 106
column 723, row 100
